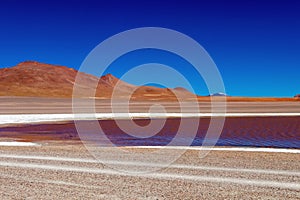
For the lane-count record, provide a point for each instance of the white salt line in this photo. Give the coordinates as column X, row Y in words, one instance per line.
column 31, row 118
column 18, row 144
column 245, row 149
column 154, row 165
column 156, row 175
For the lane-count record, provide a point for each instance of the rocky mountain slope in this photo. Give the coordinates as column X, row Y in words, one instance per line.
column 36, row 79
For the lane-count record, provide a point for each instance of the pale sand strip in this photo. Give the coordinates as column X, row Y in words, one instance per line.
column 34, row 118
column 167, row 176
column 155, row 165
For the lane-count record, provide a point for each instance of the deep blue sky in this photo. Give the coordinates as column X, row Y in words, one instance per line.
column 255, row 44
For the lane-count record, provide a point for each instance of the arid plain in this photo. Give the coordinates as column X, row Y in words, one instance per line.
column 257, row 155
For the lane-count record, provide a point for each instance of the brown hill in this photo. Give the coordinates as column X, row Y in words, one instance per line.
column 32, row 78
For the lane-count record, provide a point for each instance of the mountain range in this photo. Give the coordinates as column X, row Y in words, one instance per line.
column 35, row 79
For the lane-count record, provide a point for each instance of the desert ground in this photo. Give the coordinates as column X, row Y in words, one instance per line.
column 59, row 170
column 63, row 168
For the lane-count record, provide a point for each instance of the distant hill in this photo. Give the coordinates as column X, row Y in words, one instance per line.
column 37, row 79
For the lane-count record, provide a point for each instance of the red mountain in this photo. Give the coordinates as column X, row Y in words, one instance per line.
column 32, row 78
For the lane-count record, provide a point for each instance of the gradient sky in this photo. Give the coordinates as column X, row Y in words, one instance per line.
column 255, row 44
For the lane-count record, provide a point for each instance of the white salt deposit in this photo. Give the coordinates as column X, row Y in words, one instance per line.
column 18, row 144
column 32, row 118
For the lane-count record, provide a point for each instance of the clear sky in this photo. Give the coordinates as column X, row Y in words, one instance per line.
column 255, row 44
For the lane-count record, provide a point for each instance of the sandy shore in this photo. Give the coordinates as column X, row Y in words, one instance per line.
column 66, row 170
column 31, row 105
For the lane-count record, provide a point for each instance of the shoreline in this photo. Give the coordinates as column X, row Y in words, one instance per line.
column 15, row 143
column 13, row 119
column 223, row 148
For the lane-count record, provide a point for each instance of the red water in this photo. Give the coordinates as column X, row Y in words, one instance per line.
column 237, row 131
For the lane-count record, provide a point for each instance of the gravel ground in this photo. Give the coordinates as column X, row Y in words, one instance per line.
column 66, row 170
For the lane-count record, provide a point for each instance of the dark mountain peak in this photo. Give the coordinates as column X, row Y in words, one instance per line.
column 109, row 79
